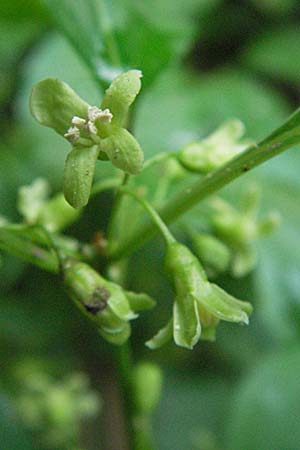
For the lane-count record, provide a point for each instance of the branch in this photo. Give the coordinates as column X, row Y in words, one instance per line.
column 284, row 137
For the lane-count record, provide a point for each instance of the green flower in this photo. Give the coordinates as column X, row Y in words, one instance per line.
column 199, row 305
column 94, row 133
column 103, row 301
column 216, row 149
column 34, row 204
column 240, row 228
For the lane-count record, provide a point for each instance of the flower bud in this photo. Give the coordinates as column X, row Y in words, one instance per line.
column 32, row 198
column 240, row 228
column 102, row 301
column 147, row 383
column 213, row 253
column 216, row 149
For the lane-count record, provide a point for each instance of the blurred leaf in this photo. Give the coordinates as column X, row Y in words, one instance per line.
column 275, row 7
column 125, row 34
column 265, row 413
column 14, row 40
column 277, row 279
column 167, row 120
column 12, row 433
column 190, row 405
column 276, row 54
column 22, row 10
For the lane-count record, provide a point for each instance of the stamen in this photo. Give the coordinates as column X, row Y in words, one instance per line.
column 78, row 121
column 95, row 114
column 91, row 127
column 73, row 134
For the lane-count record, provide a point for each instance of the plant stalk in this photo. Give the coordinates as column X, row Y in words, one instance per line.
column 281, row 139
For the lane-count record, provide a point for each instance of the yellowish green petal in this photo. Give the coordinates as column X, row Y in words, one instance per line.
column 124, row 151
column 121, row 94
column 53, row 104
column 78, row 175
column 186, row 326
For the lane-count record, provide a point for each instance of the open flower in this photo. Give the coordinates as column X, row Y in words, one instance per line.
column 103, row 301
column 94, row 133
column 199, row 305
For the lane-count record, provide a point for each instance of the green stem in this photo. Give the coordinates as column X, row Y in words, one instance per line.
column 158, row 158
column 156, row 220
column 281, row 139
column 138, row 425
column 114, row 223
column 124, row 369
column 104, row 185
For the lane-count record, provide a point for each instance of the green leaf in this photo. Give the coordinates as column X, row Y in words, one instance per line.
column 78, row 175
column 186, row 326
column 124, row 151
column 53, row 104
column 140, row 301
column 126, row 34
column 162, row 337
column 21, row 11
column 121, row 94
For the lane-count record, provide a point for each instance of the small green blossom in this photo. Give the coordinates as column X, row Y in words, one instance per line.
column 216, row 149
column 199, row 304
column 240, row 228
column 94, row 133
column 34, row 204
column 214, row 254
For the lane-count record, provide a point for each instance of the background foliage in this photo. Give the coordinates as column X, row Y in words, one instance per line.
column 204, row 61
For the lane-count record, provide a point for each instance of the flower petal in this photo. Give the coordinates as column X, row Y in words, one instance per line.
column 223, row 305
column 53, row 104
column 186, row 327
column 161, row 337
column 117, row 338
column 124, row 151
column 118, row 302
column 140, row 301
column 78, row 175
column 121, row 94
